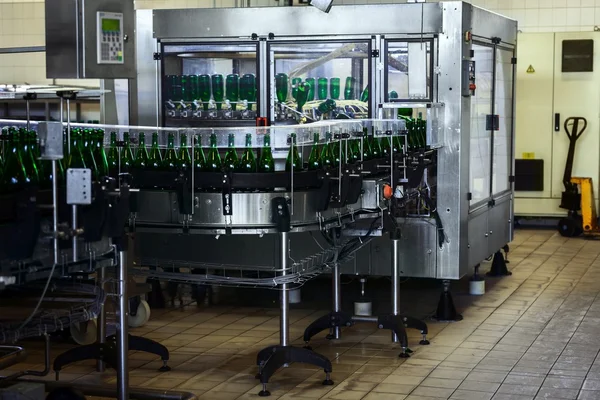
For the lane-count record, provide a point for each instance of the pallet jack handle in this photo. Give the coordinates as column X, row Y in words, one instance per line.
column 572, row 129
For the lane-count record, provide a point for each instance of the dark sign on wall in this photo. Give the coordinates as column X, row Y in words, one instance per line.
column 578, row 55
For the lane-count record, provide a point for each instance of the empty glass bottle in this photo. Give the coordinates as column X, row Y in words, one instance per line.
column 248, row 89
column 141, row 157
column 314, row 159
column 354, row 150
column 218, row 89
column 334, row 88
column 113, row 155
column 76, row 159
column 204, row 89
column 232, row 89
column 154, row 158
column 366, row 143
column 327, row 159
column 364, row 96
column 170, row 162
column 295, row 83
column 14, row 177
column 213, row 159
column 281, row 87
column 311, row 92
column 126, row 154
column 185, row 161
column 266, row 162
column 199, row 157
column 248, row 160
column 293, row 161
column 376, row 150
column 231, row 158
column 322, row 88
column 100, row 154
column 302, row 95
column 87, row 139
column 349, row 88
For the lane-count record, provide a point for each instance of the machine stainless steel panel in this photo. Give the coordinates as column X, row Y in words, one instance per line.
column 478, row 238
column 297, row 21
column 71, row 39
column 500, row 223
column 148, row 112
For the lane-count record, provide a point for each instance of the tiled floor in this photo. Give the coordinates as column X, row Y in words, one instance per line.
column 533, row 335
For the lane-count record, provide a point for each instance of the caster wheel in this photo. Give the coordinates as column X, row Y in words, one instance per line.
column 567, row 227
column 164, row 368
column 424, row 342
column 141, row 317
column 84, row 332
column 264, row 393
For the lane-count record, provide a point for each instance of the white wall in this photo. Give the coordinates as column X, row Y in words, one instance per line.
column 22, row 24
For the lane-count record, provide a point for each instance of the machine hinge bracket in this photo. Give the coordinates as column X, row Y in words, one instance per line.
column 513, row 61
column 469, row 196
column 157, row 56
column 375, row 53
column 496, row 40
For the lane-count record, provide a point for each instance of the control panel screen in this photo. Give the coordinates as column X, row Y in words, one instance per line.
column 110, row 38
column 111, row 25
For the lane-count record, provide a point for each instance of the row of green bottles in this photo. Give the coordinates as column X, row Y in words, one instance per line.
column 87, row 151
column 416, row 128
column 202, row 87
column 315, row 89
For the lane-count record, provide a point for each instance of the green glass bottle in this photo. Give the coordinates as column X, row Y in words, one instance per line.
column 314, row 159
column 88, row 151
column 154, row 158
column 349, row 88
column 422, row 129
column 100, row 154
column 28, row 157
column 281, row 87
column 44, row 166
column 410, row 128
column 76, row 159
column 232, row 89
column 248, row 89
column 334, row 88
column 376, row 150
column 248, row 160
column 295, row 83
column 213, row 159
column 204, row 90
column 141, row 156
column 199, row 157
column 218, row 89
column 393, row 95
column 322, row 88
column 127, row 159
column 311, row 93
column 364, row 96
column 327, row 159
column 302, row 95
column 293, row 161
column 14, row 176
column 185, row 161
column 231, row 158
column 113, row 155
column 170, row 162
column 366, row 142
column 266, row 162
column 354, row 150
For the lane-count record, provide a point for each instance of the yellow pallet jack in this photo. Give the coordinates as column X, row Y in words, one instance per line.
column 578, row 196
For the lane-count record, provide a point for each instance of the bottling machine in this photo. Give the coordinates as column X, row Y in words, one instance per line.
column 391, row 132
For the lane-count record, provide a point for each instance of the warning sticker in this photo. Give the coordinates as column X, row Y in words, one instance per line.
column 528, row 156
column 531, row 70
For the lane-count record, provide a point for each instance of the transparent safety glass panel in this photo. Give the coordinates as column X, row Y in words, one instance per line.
column 480, row 138
column 208, row 85
column 314, row 81
column 501, row 169
column 408, row 71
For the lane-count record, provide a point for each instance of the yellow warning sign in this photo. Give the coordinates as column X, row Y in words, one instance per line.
column 528, row 156
column 530, row 70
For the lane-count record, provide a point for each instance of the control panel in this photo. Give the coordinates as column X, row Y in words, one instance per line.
column 110, row 38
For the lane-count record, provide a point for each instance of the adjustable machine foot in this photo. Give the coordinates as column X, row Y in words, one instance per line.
column 499, row 266
column 445, row 309
column 270, row 359
column 107, row 352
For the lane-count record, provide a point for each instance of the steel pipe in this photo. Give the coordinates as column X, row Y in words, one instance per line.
column 101, row 320
column 284, row 319
column 395, row 281
column 122, row 329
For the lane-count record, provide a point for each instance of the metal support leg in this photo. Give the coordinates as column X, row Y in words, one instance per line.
column 122, row 330
column 55, row 211
column 395, row 282
column 101, row 321
column 284, row 320
column 74, row 227
column 335, row 332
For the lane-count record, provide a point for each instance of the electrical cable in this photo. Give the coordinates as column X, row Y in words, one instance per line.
column 39, row 303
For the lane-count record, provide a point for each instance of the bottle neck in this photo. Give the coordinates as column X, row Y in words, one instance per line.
column 248, row 141
column 171, row 142
column 267, row 141
column 155, row 140
column 213, row 141
column 231, row 141
column 183, row 141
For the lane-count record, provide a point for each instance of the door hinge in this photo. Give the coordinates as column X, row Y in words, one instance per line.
column 513, row 61
column 157, row 56
column 374, row 53
column 469, row 196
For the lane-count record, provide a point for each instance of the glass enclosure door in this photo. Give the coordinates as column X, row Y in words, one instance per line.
column 502, row 165
column 481, row 140
column 312, row 81
column 409, row 71
column 209, row 84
